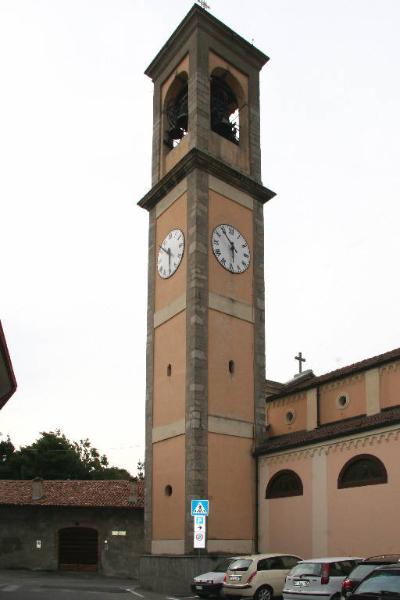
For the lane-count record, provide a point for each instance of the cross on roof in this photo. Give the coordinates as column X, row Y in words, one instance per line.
column 301, row 360
column 203, row 4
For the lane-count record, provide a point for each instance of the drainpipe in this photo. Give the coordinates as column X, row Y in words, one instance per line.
column 257, row 506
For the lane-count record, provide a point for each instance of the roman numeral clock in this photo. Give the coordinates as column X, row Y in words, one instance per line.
column 230, row 248
column 205, row 343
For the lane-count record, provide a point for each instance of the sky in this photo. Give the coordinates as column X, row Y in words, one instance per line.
column 75, row 157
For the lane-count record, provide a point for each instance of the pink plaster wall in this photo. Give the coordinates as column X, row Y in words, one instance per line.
column 390, row 385
column 290, row 519
column 364, row 520
column 354, row 387
column 276, row 412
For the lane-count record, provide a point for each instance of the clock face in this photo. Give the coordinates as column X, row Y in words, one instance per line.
column 230, row 248
column 170, row 253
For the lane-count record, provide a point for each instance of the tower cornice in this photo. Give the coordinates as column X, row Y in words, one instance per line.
column 199, row 18
column 197, row 159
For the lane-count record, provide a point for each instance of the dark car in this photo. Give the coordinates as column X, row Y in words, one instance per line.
column 363, row 569
column 381, row 584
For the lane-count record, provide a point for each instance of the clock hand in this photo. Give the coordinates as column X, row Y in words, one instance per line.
column 169, row 259
column 162, row 248
column 225, row 234
column 233, row 249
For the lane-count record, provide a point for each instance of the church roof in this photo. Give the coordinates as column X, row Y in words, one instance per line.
column 332, row 430
column 311, row 382
column 74, row 493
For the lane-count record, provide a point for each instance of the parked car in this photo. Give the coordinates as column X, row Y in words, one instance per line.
column 382, row 583
column 363, row 569
column 318, row 577
column 258, row 575
column 210, row 584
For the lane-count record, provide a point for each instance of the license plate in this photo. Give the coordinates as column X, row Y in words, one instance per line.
column 199, row 587
column 301, row 583
column 235, row 577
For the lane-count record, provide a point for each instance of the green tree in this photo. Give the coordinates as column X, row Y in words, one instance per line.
column 6, row 451
column 140, row 470
column 53, row 456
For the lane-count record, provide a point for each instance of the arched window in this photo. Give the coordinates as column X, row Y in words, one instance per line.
column 284, row 484
column 363, row 469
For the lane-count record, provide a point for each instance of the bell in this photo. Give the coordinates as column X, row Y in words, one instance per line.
column 177, row 114
column 181, row 114
column 223, row 127
column 223, row 104
column 176, row 133
column 182, row 121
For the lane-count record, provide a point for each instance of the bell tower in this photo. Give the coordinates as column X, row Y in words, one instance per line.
column 205, row 344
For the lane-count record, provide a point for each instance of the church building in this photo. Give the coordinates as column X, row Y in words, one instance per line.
column 304, row 468
column 328, row 468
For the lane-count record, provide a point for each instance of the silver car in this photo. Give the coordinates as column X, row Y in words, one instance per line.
column 318, row 578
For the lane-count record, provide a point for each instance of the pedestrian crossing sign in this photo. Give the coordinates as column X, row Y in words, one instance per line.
column 200, row 507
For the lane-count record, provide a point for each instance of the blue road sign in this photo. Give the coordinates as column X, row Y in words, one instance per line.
column 200, row 507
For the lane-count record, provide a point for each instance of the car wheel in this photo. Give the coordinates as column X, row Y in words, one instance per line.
column 263, row 593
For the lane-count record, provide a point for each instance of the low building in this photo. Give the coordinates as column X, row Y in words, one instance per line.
column 72, row 525
column 328, row 470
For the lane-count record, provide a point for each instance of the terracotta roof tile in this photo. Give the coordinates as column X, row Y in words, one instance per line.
column 329, row 431
column 111, row 493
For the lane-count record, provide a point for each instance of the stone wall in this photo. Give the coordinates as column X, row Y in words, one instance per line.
column 174, row 574
column 22, row 526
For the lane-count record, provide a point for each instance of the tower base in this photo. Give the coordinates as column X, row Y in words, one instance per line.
column 173, row 574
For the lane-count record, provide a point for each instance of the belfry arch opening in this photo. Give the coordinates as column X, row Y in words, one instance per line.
column 176, row 111
column 226, row 100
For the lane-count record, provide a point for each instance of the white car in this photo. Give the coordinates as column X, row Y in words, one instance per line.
column 318, row 577
column 259, row 576
column 210, row 584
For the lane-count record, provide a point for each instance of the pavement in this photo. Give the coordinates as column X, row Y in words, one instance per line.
column 42, row 585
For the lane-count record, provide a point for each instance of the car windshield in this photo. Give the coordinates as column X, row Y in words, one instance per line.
column 362, row 571
column 242, row 564
column 306, row 568
column 222, row 566
column 380, row 581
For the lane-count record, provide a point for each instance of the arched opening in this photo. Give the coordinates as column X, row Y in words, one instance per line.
column 226, row 98
column 364, row 469
column 77, row 549
column 284, row 484
column 176, row 111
